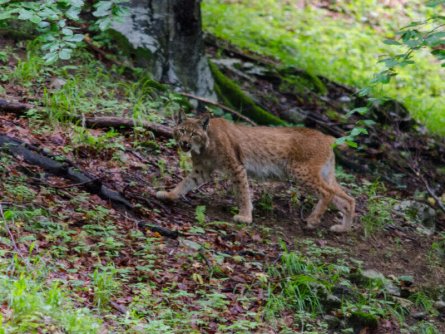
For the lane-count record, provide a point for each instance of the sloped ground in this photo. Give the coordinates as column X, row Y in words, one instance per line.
column 63, row 249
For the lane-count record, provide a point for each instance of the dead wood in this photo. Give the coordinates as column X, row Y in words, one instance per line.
column 14, row 107
column 219, row 105
column 116, row 122
column 94, row 122
column 66, row 170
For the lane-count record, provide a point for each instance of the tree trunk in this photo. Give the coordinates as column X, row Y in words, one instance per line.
column 165, row 37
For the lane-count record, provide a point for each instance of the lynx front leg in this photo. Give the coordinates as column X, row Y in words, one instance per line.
column 242, row 185
column 190, row 182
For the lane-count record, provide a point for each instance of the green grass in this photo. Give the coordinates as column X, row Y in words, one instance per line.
column 302, row 282
column 342, row 48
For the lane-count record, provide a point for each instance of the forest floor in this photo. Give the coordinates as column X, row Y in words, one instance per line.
column 71, row 262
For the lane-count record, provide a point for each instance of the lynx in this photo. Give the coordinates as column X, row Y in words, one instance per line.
column 301, row 154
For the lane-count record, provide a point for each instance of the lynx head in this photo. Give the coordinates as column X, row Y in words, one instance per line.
column 191, row 133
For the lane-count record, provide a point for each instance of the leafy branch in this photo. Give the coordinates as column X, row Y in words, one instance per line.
column 425, row 34
column 56, row 21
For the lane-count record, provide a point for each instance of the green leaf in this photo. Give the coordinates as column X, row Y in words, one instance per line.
column 6, row 15
column 102, row 8
column 73, row 13
column 435, row 3
column 357, row 131
column 361, row 111
column 35, row 19
column 51, row 57
column 65, row 54
column 75, row 38
column 105, row 23
column 25, row 14
column 352, row 143
column 391, row 42
column 340, row 141
column 67, row 32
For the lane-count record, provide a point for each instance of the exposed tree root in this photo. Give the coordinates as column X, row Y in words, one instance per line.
column 67, row 170
column 233, row 112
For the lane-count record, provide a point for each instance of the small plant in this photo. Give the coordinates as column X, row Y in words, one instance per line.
column 379, row 212
column 104, row 285
column 421, row 300
column 200, row 214
column 51, row 19
column 266, row 202
column 184, row 162
column 425, row 327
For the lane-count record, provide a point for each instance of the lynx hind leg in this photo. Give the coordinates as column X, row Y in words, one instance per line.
column 346, row 205
column 343, row 202
column 313, row 181
column 326, row 194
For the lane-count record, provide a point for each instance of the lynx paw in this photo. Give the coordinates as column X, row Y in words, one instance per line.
column 312, row 224
column 242, row 219
column 164, row 195
column 339, row 228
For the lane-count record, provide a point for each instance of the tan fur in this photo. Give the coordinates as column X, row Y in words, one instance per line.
column 301, row 154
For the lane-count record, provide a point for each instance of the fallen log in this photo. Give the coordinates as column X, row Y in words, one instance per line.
column 116, row 122
column 66, row 170
column 14, row 107
column 93, row 122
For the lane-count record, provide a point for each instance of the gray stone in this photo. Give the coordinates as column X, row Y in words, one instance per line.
column 373, row 274
column 332, row 321
column 419, row 213
column 295, row 115
column 419, row 315
column 440, row 306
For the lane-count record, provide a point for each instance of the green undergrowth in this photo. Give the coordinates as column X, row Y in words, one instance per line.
column 313, row 281
column 31, row 304
column 85, row 86
column 344, row 48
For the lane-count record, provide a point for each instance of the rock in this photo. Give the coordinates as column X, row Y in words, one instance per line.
column 440, row 306
column 57, row 83
column 419, row 315
column 332, row 302
column 406, row 303
column 360, row 320
column 371, row 274
column 344, row 99
column 165, row 37
column 420, row 213
column 295, row 115
column 392, row 289
column 343, row 292
column 332, row 321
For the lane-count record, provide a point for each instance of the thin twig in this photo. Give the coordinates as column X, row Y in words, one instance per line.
column 219, row 105
column 11, row 236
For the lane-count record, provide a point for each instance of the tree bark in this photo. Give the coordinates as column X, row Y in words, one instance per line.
column 165, row 37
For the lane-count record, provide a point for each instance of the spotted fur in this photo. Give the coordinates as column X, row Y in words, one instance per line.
column 302, row 154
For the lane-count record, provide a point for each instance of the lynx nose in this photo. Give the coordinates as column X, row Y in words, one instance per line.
column 185, row 146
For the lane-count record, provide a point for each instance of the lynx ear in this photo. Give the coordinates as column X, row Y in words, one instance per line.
column 204, row 120
column 180, row 117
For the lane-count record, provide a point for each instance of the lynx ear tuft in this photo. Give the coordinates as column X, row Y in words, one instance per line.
column 205, row 119
column 180, row 117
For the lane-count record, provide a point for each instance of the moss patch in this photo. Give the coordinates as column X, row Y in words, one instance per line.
column 231, row 94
